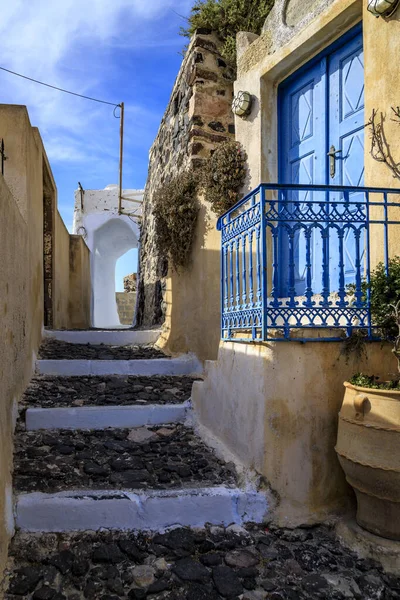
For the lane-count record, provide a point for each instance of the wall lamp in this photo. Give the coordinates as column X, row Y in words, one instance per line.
column 241, row 105
column 383, row 8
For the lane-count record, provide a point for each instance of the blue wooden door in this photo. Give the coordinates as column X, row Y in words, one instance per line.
column 346, row 134
column 322, row 106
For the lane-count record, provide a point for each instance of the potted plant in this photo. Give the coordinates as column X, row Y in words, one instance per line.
column 368, row 444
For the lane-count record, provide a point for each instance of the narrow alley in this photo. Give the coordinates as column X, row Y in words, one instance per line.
column 105, row 463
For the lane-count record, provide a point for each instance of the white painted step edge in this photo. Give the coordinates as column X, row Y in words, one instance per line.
column 183, row 365
column 111, row 338
column 102, row 417
column 134, row 511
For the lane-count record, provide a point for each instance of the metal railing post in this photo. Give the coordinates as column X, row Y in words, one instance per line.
column 336, row 243
column 2, row 155
column 264, row 266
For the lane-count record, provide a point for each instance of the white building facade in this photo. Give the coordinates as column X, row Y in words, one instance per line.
column 109, row 235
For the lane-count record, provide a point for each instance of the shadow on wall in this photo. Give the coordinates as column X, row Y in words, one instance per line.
column 275, row 406
column 192, row 302
column 110, row 241
column 150, row 304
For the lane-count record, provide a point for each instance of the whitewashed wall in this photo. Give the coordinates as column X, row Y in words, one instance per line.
column 108, row 236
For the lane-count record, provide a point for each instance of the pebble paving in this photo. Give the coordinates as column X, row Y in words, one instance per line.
column 255, row 563
column 50, row 392
column 157, row 457
column 52, row 349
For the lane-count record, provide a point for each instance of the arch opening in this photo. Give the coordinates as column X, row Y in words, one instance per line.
column 125, row 285
column 112, row 240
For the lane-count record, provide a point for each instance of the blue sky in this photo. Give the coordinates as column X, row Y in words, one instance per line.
column 124, row 50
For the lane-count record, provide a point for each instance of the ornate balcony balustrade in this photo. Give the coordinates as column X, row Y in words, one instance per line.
column 289, row 253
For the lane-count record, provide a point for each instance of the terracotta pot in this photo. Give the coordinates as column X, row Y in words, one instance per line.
column 368, row 448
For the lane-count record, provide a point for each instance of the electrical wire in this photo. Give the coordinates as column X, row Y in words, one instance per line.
column 61, row 89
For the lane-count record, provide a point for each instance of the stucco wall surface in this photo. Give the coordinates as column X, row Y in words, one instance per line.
column 382, row 85
column 61, row 274
column 27, row 179
column 276, row 407
column 80, row 291
column 23, row 177
column 197, row 118
column 192, row 296
column 16, row 351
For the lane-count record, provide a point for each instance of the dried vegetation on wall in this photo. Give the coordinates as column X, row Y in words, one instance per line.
column 226, row 18
column 197, row 119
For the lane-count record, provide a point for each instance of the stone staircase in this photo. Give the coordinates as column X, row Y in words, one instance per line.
column 116, row 496
column 105, row 441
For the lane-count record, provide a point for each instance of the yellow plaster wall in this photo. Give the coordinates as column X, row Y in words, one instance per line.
column 23, row 177
column 192, row 296
column 61, row 274
column 15, row 126
column 16, row 350
column 276, row 407
column 72, row 289
column 382, row 91
column 35, row 164
column 21, row 281
column 79, row 283
column 382, row 88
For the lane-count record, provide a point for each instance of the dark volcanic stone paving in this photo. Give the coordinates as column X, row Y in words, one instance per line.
column 201, row 564
column 49, row 392
column 56, row 350
column 50, row 461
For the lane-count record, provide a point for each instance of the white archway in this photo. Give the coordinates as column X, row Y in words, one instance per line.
column 109, row 232
column 110, row 241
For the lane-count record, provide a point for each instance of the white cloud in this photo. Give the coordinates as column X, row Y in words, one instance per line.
column 68, row 44
column 82, row 45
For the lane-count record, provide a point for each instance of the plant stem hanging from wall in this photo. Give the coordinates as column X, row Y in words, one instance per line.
column 380, row 147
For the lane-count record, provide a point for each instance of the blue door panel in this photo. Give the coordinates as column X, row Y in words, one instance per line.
column 320, row 107
column 346, row 112
column 346, row 133
column 303, row 127
column 303, row 119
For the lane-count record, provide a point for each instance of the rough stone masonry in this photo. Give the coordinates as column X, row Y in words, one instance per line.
column 198, row 117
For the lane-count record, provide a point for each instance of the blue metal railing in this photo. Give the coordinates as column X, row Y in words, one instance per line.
column 289, row 253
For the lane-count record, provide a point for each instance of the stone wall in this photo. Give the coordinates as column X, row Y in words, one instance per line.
column 126, row 302
column 197, row 118
column 130, row 283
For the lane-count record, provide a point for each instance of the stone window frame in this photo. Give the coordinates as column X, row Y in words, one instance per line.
column 318, row 35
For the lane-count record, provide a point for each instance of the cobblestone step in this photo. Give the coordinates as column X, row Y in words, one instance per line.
column 251, row 563
column 120, row 337
column 142, row 478
column 104, row 402
column 52, row 349
column 112, row 459
column 61, row 392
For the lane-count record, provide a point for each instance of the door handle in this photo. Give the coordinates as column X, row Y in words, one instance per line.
column 332, row 160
